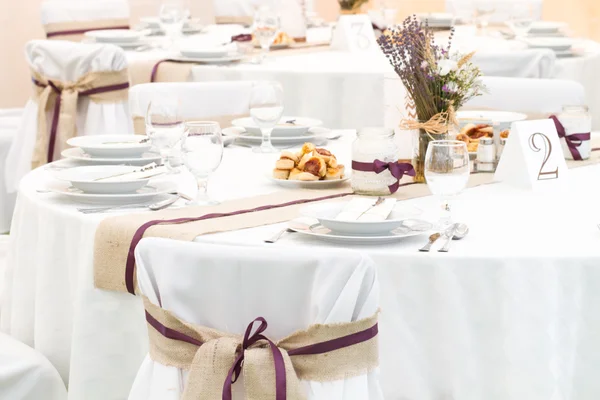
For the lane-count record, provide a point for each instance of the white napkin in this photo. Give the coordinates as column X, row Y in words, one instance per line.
column 362, row 209
column 148, row 171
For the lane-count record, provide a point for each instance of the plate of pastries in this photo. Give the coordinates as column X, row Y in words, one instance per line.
column 282, row 40
column 311, row 167
column 472, row 133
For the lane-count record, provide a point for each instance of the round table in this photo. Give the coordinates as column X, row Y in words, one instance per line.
column 508, row 313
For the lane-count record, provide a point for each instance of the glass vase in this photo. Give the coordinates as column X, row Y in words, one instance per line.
column 420, row 150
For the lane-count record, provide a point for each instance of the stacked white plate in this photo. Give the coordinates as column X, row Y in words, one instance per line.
column 562, row 46
column 546, row 28
column 125, row 38
column 401, row 223
column 290, row 130
column 111, row 149
column 189, row 26
column 89, row 185
column 502, row 119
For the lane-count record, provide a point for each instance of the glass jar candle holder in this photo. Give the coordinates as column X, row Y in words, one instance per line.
column 373, row 144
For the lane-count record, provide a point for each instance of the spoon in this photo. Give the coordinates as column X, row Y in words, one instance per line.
column 459, row 231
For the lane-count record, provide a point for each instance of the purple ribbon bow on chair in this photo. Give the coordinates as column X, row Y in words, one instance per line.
column 573, row 141
column 397, row 169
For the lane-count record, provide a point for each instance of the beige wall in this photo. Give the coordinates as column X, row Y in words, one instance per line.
column 20, row 22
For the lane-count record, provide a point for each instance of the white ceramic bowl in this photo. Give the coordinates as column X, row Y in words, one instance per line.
column 84, row 178
column 552, row 43
column 111, row 146
column 326, row 213
column 300, row 125
column 549, row 27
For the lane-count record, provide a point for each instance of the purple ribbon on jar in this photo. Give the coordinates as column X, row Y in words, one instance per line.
column 244, row 37
column 573, row 141
column 396, row 168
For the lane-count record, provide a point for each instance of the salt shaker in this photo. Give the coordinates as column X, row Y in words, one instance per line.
column 486, row 155
column 500, row 148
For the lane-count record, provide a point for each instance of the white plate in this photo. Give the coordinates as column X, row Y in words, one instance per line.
column 84, row 178
column 78, row 154
column 309, row 184
column 154, row 22
column 111, row 146
column 503, row 118
column 274, row 46
column 408, row 229
column 326, row 214
column 144, row 194
column 552, row 43
column 437, row 20
column 541, row 27
column 301, row 125
column 115, row 35
column 242, row 135
column 212, row 60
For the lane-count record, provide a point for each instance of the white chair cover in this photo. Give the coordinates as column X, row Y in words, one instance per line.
column 534, row 63
column 198, row 99
column 56, row 11
column 67, row 61
column 10, row 119
column 226, row 287
column 529, row 95
column 26, row 374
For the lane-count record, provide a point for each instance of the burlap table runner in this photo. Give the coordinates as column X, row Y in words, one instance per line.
column 179, row 70
column 322, row 353
column 75, row 30
column 61, row 98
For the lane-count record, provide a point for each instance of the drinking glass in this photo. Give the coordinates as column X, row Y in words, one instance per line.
column 172, row 15
column 266, row 26
column 447, row 173
column 266, row 109
column 164, row 125
column 202, row 148
column 521, row 19
column 484, row 9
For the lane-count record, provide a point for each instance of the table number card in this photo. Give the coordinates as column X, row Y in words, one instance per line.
column 533, row 156
column 354, row 33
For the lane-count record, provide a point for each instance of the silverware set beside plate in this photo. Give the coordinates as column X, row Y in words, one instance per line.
column 456, row 231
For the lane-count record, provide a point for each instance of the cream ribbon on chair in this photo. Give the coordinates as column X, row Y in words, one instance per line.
column 139, row 122
column 75, row 30
column 272, row 371
column 61, row 98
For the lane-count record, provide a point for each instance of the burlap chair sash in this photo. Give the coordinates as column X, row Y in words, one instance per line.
column 61, row 98
column 272, row 370
column 74, row 30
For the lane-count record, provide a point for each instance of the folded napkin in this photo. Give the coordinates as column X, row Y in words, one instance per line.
column 364, row 209
column 148, row 171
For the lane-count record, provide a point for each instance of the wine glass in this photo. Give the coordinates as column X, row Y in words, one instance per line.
column 521, row 20
column 447, row 173
column 266, row 26
column 164, row 125
column 202, row 148
column 484, row 9
column 172, row 15
column 266, row 109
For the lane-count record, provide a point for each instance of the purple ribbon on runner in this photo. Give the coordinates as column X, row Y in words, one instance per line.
column 573, row 141
column 56, row 112
column 252, row 338
column 397, row 169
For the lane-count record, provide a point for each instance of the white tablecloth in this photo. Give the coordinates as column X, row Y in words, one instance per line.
column 509, row 313
column 355, row 90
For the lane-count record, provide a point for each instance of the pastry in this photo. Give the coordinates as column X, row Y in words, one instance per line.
column 504, row 134
column 290, row 156
column 294, row 174
column 281, row 173
column 308, row 148
column 285, row 163
column 306, row 176
column 303, row 161
column 316, row 166
column 334, row 173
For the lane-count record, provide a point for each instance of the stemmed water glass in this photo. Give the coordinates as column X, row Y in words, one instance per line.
column 266, row 109
column 266, row 26
column 164, row 125
column 521, row 20
column 484, row 9
column 172, row 15
column 447, row 173
column 202, row 148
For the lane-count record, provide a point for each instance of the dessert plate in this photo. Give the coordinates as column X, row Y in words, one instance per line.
column 87, row 178
column 115, row 35
column 111, row 146
column 242, row 135
column 411, row 227
column 293, row 184
column 78, row 154
column 288, row 125
column 326, row 214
